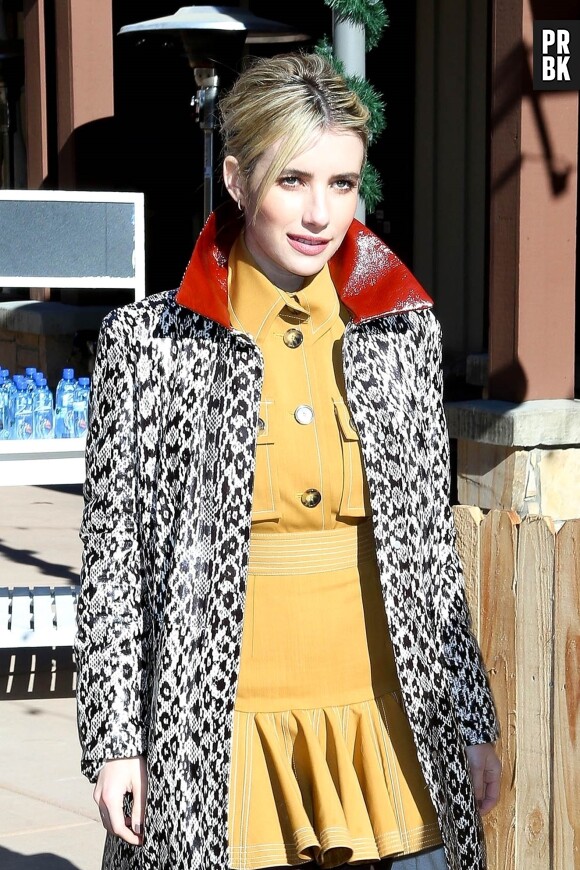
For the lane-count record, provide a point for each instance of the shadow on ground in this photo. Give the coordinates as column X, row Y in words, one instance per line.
column 44, row 861
column 30, row 673
column 66, row 488
column 30, row 558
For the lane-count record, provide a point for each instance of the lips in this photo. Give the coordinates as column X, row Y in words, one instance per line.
column 309, row 245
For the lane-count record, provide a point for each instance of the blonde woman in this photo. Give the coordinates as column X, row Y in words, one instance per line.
column 276, row 666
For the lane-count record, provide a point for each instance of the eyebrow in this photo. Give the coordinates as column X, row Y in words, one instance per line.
column 350, row 176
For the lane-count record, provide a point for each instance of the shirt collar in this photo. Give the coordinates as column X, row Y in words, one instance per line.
column 254, row 302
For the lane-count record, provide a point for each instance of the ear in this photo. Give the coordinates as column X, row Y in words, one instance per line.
column 233, row 180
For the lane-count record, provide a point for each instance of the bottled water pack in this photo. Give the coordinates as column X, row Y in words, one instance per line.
column 28, row 410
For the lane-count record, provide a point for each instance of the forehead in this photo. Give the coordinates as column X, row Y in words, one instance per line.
column 328, row 148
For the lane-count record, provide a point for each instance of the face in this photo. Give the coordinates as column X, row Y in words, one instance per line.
column 307, row 211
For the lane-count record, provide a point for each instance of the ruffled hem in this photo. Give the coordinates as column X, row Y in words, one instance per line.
column 334, row 785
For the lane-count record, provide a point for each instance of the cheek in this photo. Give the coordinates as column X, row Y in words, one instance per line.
column 348, row 210
column 278, row 210
column 266, row 230
column 343, row 218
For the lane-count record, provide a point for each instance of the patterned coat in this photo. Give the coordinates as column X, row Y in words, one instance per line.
column 166, row 525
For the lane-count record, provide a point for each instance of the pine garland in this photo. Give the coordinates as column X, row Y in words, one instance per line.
column 367, row 94
column 371, row 191
column 370, row 14
column 371, row 187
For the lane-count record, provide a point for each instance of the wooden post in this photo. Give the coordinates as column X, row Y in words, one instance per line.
column 533, row 157
column 84, row 42
column 468, row 524
column 499, row 536
column 36, row 123
column 534, row 674
column 525, row 596
column 35, row 72
column 566, row 743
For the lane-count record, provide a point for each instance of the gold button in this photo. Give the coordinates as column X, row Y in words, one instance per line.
column 310, row 498
column 293, row 337
column 261, row 425
column 304, row 414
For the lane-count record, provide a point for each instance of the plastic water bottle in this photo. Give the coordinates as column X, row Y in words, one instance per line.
column 23, row 422
column 81, row 407
column 29, row 378
column 10, row 388
column 43, row 411
column 5, row 399
column 29, row 373
column 63, row 409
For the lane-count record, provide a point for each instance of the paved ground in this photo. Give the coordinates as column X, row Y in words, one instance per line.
column 48, row 820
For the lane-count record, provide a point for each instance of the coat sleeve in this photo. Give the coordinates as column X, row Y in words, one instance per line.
column 111, row 645
column 471, row 695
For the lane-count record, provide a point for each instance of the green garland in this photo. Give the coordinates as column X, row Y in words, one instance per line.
column 367, row 94
column 370, row 14
column 371, row 189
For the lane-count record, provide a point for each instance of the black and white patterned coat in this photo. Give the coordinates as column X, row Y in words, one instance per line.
column 168, row 494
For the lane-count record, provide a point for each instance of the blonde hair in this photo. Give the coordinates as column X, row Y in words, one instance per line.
column 288, row 97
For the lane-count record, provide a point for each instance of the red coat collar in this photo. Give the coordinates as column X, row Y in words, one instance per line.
column 369, row 278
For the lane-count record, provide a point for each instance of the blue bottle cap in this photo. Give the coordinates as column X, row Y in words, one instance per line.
column 42, row 382
column 84, row 382
column 68, row 374
column 30, row 370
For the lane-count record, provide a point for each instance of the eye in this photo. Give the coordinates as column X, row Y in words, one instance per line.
column 289, row 181
column 345, row 184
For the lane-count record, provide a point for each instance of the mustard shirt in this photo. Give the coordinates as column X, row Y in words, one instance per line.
column 309, row 474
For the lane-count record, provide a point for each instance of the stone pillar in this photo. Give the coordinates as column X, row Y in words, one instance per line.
column 524, row 458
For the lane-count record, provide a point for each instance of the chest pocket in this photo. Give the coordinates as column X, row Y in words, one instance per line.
column 354, row 501
column 266, row 498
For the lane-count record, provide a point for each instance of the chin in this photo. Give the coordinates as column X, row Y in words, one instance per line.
column 311, row 266
column 309, row 270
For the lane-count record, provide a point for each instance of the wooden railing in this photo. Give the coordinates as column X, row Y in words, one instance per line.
column 523, row 588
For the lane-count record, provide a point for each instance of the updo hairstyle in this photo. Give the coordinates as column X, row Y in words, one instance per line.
column 289, row 97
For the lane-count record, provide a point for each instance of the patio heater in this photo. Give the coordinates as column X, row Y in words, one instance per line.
column 214, row 36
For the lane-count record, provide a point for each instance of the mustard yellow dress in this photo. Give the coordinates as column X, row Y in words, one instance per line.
column 323, row 762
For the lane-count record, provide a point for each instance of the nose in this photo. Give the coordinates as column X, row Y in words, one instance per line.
column 316, row 210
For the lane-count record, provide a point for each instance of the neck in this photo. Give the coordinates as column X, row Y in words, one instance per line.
column 279, row 277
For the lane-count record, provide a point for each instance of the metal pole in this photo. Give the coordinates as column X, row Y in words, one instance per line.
column 207, row 173
column 349, row 47
column 205, row 100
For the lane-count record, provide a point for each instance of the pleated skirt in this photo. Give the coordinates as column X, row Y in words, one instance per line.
column 324, row 766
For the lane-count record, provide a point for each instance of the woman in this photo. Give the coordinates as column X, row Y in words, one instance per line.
column 274, row 653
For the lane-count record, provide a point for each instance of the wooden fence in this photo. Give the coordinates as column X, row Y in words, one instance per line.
column 523, row 587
